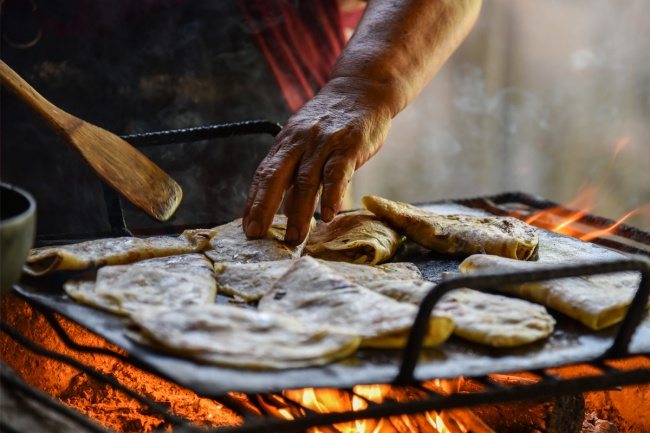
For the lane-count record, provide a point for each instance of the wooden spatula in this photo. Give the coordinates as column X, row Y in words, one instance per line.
column 114, row 160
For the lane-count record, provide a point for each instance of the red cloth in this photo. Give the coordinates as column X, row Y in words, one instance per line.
column 300, row 42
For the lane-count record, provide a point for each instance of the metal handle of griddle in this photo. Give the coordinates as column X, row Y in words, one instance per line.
column 209, row 132
column 175, row 136
column 484, row 282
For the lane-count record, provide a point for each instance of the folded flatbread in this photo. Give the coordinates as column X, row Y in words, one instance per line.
column 356, row 237
column 242, row 338
column 483, row 318
column 231, row 244
column 598, row 301
column 314, row 294
column 250, row 281
column 457, row 234
column 173, row 282
column 113, row 251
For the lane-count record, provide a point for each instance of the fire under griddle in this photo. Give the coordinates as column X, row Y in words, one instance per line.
column 570, row 343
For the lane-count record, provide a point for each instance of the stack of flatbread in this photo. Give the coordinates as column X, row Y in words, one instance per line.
column 319, row 301
column 173, row 281
column 312, row 293
column 242, row 338
column 250, row 281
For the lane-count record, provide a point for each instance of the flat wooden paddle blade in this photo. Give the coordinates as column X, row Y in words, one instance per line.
column 126, row 169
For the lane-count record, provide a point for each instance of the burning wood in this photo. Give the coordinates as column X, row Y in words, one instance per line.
column 592, row 424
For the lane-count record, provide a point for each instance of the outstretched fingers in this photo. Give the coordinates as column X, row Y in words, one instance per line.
column 301, row 201
column 265, row 195
column 337, row 174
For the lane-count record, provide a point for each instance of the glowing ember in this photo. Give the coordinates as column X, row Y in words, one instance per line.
column 99, row 401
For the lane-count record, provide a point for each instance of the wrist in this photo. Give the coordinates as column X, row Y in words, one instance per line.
column 380, row 97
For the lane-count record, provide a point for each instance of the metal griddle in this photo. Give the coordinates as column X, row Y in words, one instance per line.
column 570, row 343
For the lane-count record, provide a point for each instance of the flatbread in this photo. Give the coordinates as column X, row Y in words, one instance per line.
column 250, row 281
column 598, row 301
column 313, row 294
column 355, row 237
column 459, row 235
column 483, row 318
column 173, row 282
column 113, row 251
column 231, row 244
column 242, row 338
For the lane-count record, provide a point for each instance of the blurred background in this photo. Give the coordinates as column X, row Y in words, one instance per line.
column 549, row 98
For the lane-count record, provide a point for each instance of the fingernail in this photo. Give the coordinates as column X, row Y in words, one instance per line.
column 327, row 214
column 291, row 235
column 253, row 229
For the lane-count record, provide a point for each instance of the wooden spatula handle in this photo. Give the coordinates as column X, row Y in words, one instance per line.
column 15, row 83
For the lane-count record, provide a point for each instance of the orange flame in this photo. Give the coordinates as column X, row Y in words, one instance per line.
column 622, row 142
column 596, row 234
column 567, row 219
column 336, row 400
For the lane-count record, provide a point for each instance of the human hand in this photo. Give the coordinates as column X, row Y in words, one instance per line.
column 318, row 150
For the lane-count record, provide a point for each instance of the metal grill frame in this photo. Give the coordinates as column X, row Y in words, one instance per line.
column 549, row 385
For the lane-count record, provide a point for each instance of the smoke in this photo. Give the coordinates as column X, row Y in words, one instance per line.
column 535, row 100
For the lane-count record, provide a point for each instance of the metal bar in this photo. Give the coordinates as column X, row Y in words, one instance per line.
column 539, row 390
column 60, row 332
column 203, row 133
column 632, row 317
column 114, row 212
column 541, row 204
column 95, row 374
column 485, row 281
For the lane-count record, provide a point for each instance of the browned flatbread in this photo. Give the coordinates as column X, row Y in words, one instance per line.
column 598, row 301
column 172, row 281
column 240, row 338
column 355, row 237
column 312, row 293
column 113, row 251
column 250, row 281
column 484, row 318
column 232, row 246
column 459, row 235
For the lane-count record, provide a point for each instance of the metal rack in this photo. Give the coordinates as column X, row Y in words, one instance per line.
column 549, row 385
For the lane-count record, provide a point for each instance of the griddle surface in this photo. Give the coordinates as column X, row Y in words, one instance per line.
column 571, row 342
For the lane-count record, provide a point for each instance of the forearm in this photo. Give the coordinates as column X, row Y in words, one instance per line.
column 397, row 48
column 399, row 45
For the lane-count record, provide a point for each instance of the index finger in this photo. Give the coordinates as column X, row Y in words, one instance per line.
column 265, row 195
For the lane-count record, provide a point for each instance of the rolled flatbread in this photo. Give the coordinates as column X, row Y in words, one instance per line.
column 241, row 338
column 113, row 251
column 250, row 281
column 598, row 301
column 356, row 237
column 484, row 318
column 231, row 244
column 172, row 282
column 312, row 293
column 459, row 235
